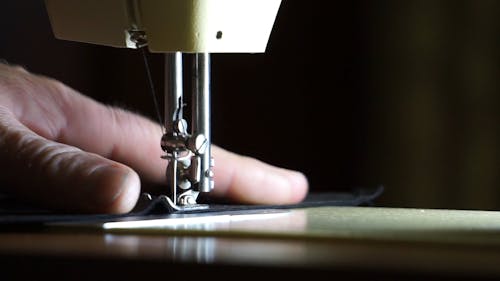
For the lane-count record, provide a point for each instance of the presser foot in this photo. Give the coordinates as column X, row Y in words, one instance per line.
column 189, row 207
column 163, row 204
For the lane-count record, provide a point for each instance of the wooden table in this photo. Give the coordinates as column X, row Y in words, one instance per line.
column 361, row 242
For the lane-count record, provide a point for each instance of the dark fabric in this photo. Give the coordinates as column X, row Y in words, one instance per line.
column 29, row 217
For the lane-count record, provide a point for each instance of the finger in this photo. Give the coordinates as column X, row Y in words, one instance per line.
column 62, row 177
column 248, row 180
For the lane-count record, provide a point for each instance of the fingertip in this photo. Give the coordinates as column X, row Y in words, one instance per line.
column 299, row 186
column 117, row 189
column 285, row 186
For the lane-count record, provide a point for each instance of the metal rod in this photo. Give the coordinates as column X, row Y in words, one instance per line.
column 173, row 90
column 173, row 112
column 201, row 115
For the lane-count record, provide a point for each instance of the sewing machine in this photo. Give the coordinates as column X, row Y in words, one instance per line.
column 177, row 28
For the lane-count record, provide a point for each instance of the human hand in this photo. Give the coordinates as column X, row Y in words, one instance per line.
column 62, row 150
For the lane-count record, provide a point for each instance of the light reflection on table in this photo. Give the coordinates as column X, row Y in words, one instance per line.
column 457, row 243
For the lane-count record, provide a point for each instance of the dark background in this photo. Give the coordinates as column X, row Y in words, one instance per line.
column 352, row 93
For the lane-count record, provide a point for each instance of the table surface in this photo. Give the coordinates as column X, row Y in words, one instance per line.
column 362, row 241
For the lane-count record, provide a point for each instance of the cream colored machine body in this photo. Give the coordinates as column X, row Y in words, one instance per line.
column 176, row 28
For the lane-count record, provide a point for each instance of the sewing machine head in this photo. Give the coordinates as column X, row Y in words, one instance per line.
column 176, row 28
column 188, row 26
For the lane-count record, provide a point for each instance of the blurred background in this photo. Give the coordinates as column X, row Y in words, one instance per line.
column 405, row 94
